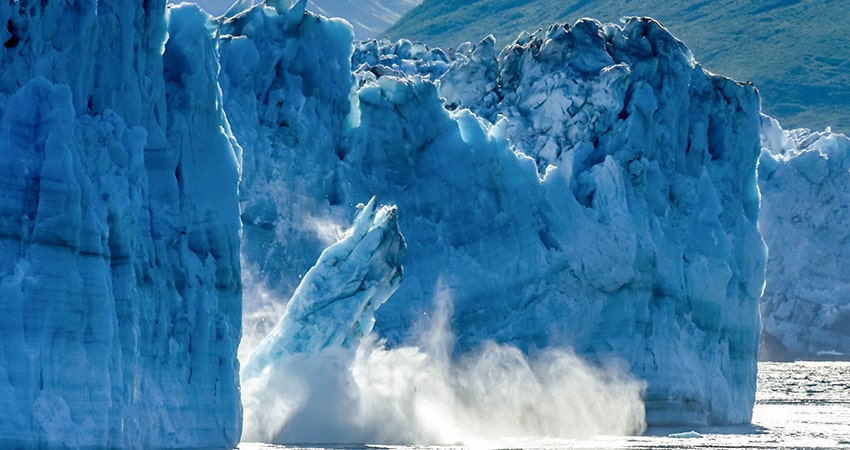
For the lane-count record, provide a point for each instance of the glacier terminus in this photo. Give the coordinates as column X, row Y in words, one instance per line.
column 597, row 185
column 206, row 216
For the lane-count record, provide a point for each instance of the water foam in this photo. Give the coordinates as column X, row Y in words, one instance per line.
column 423, row 394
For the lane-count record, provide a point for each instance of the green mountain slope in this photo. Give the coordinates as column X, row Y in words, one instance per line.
column 796, row 52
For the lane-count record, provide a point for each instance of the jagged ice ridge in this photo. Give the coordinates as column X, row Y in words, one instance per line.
column 805, row 186
column 587, row 187
column 600, row 179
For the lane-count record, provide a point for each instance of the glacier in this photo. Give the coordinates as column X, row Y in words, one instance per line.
column 119, row 239
column 588, row 187
column 804, row 177
column 585, row 197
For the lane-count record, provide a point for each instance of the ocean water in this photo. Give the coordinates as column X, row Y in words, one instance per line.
column 802, row 405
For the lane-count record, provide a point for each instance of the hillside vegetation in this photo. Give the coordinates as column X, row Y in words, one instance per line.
column 795, row 51
column 368, row 17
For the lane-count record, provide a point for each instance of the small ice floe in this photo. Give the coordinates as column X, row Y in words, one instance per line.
column 829, row 354
column 685, row 435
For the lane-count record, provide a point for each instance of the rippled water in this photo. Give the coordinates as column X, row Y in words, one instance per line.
column 803, row 405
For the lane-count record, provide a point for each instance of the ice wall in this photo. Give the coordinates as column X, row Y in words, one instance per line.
column 805, row 184
column 119, row 239
column 659, row 157
column 589, row 186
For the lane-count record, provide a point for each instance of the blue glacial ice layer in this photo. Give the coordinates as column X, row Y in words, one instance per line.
column 120, row 290
column 589, row 186
column 804, row 178
column 335, row 304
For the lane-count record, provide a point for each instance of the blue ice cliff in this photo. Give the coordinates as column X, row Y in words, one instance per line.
column 805, row 184
column 589, row 187
column 119, row 230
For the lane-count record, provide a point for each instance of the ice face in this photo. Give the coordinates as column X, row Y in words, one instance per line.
column 119, row 267
column 805, row 182
column 588, row 187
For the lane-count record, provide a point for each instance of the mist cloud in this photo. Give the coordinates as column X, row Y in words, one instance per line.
column 421, row 394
